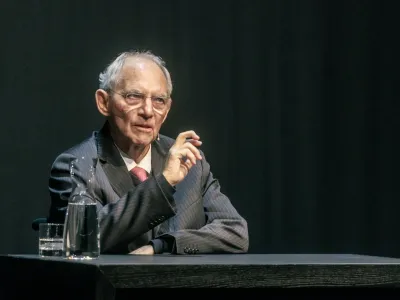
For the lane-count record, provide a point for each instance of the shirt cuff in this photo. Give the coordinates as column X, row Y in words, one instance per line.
column 158, row 246
column 164, row 185
column 161, row 245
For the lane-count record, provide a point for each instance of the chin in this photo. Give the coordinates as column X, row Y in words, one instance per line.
column 141, row 139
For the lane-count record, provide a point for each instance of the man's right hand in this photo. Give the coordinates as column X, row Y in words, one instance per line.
column 182, row 156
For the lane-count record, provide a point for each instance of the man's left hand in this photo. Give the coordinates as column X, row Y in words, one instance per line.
column 144, row 250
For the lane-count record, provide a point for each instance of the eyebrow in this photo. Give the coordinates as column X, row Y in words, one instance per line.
column 163, row 95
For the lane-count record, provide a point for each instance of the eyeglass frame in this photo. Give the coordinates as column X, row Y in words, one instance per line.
column 141, row 96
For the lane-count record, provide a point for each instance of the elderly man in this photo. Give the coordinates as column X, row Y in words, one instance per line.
column 155, row 194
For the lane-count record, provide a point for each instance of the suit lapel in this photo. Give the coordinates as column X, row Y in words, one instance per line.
column 113, row 165
column 159, row 150
column 118, row 175
column 158, row 156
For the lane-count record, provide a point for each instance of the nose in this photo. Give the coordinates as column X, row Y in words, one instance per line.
column 146, row 109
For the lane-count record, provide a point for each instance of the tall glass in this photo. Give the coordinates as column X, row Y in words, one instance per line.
column 81, row 238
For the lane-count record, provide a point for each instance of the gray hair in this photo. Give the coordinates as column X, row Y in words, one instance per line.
column 108, row 78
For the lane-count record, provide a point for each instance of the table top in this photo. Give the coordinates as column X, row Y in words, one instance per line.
column 123, row 272
column 226, row 259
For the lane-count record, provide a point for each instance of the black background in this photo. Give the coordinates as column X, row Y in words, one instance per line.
column 296, row 103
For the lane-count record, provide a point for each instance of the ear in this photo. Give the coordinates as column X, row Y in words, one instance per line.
column 169, row 107
column 102, row 99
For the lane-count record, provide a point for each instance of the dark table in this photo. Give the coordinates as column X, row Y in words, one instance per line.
column 115, row 276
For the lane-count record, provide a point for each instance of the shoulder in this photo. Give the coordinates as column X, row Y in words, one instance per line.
column 166, row 142
column 85, row 148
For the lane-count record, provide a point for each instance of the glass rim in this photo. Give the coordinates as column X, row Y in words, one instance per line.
column 51, row 224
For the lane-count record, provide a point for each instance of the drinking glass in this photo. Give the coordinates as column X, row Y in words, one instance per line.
column 50, row 239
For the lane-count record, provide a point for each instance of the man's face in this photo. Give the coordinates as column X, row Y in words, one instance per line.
column 139, row 103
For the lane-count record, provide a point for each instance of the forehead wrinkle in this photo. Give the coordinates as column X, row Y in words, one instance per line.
column 134, row 74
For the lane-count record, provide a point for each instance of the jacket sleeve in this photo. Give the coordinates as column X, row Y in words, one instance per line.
column 141, row 209
column 225, row 231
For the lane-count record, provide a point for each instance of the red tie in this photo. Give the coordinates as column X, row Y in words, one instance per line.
column 140, row 173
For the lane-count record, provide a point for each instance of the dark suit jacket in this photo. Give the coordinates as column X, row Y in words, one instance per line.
column 192, row 217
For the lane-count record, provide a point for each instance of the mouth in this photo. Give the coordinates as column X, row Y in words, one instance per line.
column 144, row 127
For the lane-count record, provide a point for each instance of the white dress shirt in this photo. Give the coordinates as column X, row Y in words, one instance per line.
column 145, row 163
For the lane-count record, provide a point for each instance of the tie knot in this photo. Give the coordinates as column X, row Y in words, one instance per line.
column 140, row 173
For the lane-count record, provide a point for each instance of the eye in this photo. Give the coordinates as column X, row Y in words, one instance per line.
column 159, row 100
column 133, row 96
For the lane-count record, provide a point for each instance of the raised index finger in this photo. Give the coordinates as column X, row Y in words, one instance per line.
column 190, row 134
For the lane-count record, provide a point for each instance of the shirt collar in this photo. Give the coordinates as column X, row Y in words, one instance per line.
column 145, row 163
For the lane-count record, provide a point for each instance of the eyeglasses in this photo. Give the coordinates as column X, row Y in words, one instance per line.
column 135, row 98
